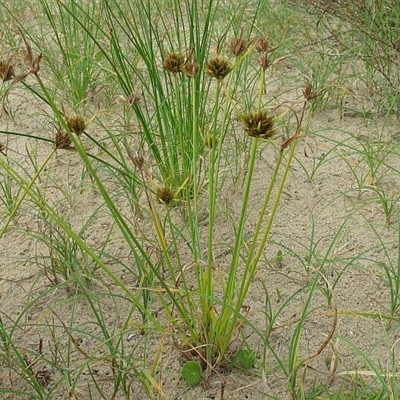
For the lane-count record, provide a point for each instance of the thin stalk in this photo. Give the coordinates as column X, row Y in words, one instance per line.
column 194, row 180
column 231, row 283
column 207, row 284
column 26, row 190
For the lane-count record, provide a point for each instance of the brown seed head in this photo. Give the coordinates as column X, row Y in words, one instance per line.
column 32, row 61
column 76, row 124
column 138, row 161
column 262, row 45
column 2, row 148
column 264, row 61
column 6, row 70
column 309, row 93
column 238, row 46
column 63, row 141
column 190, row 68
column 259, row 125
column 218, row 68
column 165, row 195
column 133, row 98
column 174, row 63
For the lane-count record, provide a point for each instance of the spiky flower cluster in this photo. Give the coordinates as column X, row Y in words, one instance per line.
column 165, row 195
column 218, row 68
column 239, row 45
column 76, row 124
column 309, row 93
column 63, row 141
column 132, row 99
column 262, row 47
column 176, row 63
column 190, row 68
column 259, row 125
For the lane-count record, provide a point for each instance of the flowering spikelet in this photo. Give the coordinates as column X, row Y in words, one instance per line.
column 259, row 125
column 165, row 195
column 309, row 93
column 218, row 68
column 6, row 70
column 132, row 99
column 262, row 45
column 76, row 124
column 264, row 61
column 191, row 67
column 63, row 141
column 174, row 63
column 238, row 46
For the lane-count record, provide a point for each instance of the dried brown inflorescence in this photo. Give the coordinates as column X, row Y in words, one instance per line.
column 76, row 124
column 239, row 45
column 191, row 67
column 218, row 68
column 132, row 99
column 6, row 70
column 259, row 125
column 2, row 148
column 63, row 141
column 309, row 93
column 174, row 63
column 32, row 61
column 165, row 195
column 262, row 47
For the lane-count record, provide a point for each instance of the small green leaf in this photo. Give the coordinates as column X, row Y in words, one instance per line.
column 279, row 256
column 244, row 359
column 191, row 373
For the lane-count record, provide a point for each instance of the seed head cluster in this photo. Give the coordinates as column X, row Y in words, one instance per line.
column 63, row 141
column 238, row 46
column 262, row 48
column 165, row 195
column 174, row 63
column 259, row 125
column 76, row 124
column 309, row 93
column 218, row 68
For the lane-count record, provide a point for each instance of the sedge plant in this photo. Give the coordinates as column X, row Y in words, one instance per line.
column 185, row 107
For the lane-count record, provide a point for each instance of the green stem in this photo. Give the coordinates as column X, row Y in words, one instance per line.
column 229, row 291
column 27, row 189
column 261, row 88
column 193, row 182
column 254, row 262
